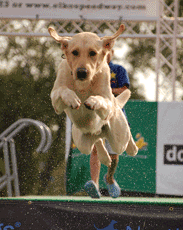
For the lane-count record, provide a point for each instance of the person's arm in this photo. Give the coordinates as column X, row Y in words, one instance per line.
column 118, row 91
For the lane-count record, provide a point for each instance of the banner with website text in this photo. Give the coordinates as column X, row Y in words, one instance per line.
column 91, row 10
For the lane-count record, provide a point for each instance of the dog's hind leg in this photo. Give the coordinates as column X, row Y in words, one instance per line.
column 102, row 153
column 132, row 148
column 123, row 98
column 118, row 133
column 84, row 142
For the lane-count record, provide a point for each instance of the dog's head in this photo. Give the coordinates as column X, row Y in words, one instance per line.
column 85, row 52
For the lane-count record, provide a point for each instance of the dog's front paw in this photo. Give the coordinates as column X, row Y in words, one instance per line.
column 93, row 103
column 70, row 99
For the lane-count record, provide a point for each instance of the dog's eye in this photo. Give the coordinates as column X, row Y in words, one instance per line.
column 75, row 53
column 92, row 53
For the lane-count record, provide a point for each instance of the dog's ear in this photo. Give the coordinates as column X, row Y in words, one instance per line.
column 62, row 40
column 108, row 41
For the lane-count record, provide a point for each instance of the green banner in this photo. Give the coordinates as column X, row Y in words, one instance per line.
column 134, row 174
column 77, row 171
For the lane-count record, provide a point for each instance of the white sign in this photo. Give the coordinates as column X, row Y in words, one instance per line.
column 169, row 158
column 81, row 9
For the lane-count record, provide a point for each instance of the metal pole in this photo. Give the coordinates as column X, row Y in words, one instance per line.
column 158, row 23
column 20, row 124
column 174, row 49
column 68, row 137
column 7, row 137
column 14, row 166
column 7, row 168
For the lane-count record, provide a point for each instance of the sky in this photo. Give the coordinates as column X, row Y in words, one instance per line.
column 148, row 81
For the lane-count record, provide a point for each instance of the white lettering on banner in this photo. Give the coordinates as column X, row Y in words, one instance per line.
column 180, row 155
column 91, row 10
column 173, row 154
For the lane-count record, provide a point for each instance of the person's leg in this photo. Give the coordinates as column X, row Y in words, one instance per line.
column 112, row 168
column 95, row 166
column 92, row 186
column 112, row 186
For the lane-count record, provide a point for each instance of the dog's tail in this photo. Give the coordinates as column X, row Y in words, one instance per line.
column 123, row 98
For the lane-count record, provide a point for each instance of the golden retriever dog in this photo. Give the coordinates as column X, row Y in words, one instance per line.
column 82, row 89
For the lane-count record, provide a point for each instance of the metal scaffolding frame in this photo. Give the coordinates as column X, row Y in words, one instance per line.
column 169, row 29
column 166, row 31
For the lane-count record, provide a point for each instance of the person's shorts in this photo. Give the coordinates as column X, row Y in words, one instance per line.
column 108, row 147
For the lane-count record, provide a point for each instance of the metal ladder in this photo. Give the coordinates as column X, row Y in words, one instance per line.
column 8, row 145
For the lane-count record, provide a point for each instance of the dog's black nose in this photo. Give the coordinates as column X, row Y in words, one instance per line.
column 81, row 73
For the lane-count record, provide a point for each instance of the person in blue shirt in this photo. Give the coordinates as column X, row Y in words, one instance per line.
column 119, row 83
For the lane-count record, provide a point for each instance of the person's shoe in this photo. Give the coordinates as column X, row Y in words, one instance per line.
column 113, row 189
column 92, row 190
